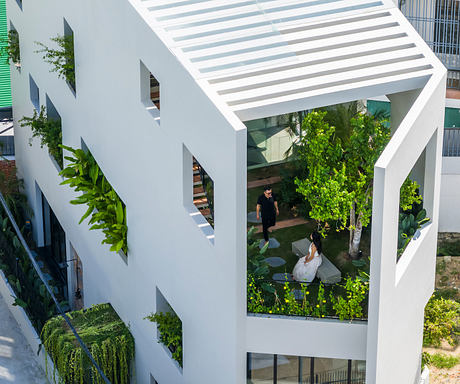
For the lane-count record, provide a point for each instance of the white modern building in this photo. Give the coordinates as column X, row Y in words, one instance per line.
column 216, row 65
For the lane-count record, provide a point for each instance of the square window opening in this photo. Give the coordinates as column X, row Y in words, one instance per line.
column 12, row 47
column 53, row 119
column 414, row 211
column 150, row 92
column 198, row 194
column 70, row 57
column 169, row 328
column 34, row 93
column 102, row 182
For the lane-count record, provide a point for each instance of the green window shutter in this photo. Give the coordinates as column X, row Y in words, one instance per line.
column 5, row 83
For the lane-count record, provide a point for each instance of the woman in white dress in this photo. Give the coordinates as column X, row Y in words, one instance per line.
column 306, row 267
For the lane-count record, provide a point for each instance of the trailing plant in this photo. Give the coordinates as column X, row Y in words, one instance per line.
column 441, row 322
column 351, row 305
column 170, row 329
column 106, row 336
column 257, row 267
column 105, row 207
column 341, row 173
column 10, row 48
column 61, row 59
column 49, row 131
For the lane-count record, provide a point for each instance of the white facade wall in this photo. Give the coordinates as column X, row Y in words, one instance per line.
column 449, row 210
column 150, row 168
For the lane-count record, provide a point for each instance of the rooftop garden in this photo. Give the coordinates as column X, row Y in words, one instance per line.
column 324, row 185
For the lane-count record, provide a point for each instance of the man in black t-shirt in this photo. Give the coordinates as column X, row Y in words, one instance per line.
column 267, row 206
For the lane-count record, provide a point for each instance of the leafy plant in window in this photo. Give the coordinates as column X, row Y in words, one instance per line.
column 257, row 267
column 170, row 329
column 10, row 48
column 105, row 207
column 106, row 336
column 48, row 130
column 61, row 59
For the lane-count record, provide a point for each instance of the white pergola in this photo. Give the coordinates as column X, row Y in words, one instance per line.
column 267, row 57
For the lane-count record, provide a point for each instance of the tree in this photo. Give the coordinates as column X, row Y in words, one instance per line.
column 340, row 174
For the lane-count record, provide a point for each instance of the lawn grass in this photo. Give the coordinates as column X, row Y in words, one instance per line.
column 335, row 246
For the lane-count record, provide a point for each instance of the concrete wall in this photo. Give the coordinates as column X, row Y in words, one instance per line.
column 204, row 283
column 449, row 210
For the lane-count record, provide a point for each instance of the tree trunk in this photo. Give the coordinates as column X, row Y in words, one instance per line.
column 356, row 239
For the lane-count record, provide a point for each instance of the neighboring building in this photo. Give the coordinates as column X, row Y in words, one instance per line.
column 215, row 65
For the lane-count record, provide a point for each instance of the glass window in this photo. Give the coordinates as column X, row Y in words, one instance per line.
column 260, row 368
column 358, row 372
column 288, row 369
column 331, row 370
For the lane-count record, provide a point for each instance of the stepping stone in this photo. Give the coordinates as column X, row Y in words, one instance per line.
column 282, row 277
column 275, row 261
column 252, row 217
column 272, row 243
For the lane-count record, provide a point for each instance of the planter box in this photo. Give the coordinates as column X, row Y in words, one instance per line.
column 27, row 329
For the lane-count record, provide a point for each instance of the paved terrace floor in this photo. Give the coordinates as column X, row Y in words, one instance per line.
column 17, row 360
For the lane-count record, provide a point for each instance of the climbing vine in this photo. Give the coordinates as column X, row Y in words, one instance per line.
column 49, row 131
column 170, row 329
column 105, row 207
column 106, row 336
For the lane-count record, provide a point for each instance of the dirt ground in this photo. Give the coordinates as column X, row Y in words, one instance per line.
column 447, row 281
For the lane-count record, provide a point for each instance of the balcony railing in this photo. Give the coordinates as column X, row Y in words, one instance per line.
column 438, row 22
column 451, row 144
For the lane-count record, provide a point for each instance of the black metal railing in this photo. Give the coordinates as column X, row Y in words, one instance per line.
column 451, row 143
column 22, row 277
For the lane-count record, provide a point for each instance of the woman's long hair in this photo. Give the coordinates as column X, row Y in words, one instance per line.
column 316, row 238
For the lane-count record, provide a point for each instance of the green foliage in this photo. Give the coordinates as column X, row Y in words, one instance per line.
column 350, row 306
column 341, row 173
column 105, row 207
column 285, row 302
column 170, row 328
column 408, row 225
column 440, row 360
column 48, row 130
column 10, row 47
column 30, row 292
column 61, row 59
column 106, row 336
column 441, row 322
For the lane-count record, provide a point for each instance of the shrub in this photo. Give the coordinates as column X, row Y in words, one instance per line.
column 48, row 130
column 441, row 321
column 350, row 306
column 106, row 336
column 105, row 207
column 170, row 329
